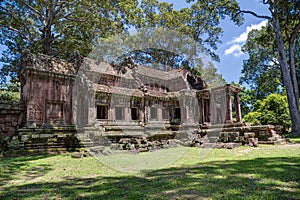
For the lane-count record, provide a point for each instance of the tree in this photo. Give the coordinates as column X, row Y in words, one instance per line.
column 271, row 110
column 200, row 21
column 285, row 19
column 58, row 27
column 154, row 44
column 261, row 71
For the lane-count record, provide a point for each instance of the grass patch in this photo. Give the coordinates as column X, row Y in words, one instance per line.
column 266, row 172
column 293, row 139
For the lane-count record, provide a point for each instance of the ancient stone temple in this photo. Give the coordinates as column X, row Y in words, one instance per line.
column 84, row 102
column 120, row 99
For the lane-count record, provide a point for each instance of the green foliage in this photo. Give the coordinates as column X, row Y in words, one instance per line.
column 261, row 71
column 248, row 98
column 271, row 110
column 10, row 93
column 210, row 74
column 200, row 21
column 253, row 118
column 58, row 28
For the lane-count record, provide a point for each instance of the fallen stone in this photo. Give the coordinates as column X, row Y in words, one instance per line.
column 249, row 135
column 253, row 142
column 76, row 155
column 132, row 147
column 114, row 146
column 231, row 145
column 125, row 141
column 97, row 149
column 141, row 150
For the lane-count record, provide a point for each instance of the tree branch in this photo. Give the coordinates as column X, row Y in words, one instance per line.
column 294, row 33
column 20, row 22
column 254, row 14
column 32, row 9
column 16, row 30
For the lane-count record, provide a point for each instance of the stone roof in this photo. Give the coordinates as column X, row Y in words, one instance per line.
column 133, row 92
column 164, row 75
column 119, row 90
column 46, row 63
column 103, row 68
column 50, row 64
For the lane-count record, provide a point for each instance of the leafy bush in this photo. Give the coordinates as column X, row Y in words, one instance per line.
column 253, row 118
column 10, row 93
column 271, row 110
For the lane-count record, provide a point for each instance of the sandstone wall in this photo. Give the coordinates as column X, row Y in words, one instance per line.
column 11, row 119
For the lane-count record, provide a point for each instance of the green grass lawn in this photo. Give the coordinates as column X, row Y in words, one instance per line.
column 266, row 172
column 294, row 139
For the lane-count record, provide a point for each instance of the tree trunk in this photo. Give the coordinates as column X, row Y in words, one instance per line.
column 47, row 32
column 287, row 79
column 293, row 74
column 47, row 41
column 292, row 62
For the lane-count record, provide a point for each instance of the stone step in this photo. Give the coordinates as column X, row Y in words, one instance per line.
column 213, row 139
column 214, row 134
column 220, row 145
column 214, row 126
column 278, row 142
column 123, row 133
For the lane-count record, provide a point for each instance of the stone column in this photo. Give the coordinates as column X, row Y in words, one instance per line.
column 159, row 112
column 237, row 107
column 228, row 106
column 142, row 111
column 201, row 110
column 127, row 111
column 213, row 110
column 184, row 108
column 147, row 109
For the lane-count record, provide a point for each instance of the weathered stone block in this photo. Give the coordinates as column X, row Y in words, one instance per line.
column 249, row 135
column 14, row 124
column 76, row 155
column 233, row 136
column 33, row 136
column 141, row 150
column 97, row 149
column 231, row 145
column 124, row 140
column 114, row 146
column 24, row 138
column 253, row 142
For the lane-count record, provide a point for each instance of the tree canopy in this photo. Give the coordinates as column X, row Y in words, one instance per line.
column 58, row 27
column 261, row 71
column 285, row 25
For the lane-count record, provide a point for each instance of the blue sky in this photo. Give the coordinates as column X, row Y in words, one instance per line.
column 233, row 38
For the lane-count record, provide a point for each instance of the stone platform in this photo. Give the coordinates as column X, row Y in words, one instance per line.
column 70, row 138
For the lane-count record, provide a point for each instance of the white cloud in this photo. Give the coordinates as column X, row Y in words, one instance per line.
column 237, row 42
column 243, row 36
column 235, row 50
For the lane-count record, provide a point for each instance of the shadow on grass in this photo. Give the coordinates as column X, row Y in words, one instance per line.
column 260, row 178
column 11, row 167
column 293, row 139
